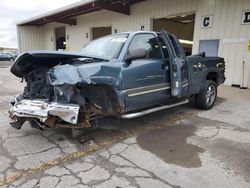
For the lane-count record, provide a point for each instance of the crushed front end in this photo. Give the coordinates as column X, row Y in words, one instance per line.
column 39, row 104
column 42, row 111
column 59, row 92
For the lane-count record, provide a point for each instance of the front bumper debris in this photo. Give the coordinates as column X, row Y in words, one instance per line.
column 42, row 110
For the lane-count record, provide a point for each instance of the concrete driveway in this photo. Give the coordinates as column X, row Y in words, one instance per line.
column 179, row 147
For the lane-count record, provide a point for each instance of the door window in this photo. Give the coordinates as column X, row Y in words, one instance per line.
column 149, row 43
column 164, row 47
column 176, row 48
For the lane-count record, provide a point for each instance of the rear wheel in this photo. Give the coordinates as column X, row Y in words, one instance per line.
column 206, row 99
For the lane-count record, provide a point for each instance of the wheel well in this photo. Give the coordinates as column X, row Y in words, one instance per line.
column 103, row 96
column 212, row 76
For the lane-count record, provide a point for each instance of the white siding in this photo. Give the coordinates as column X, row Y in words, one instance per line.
column 141, row 14
column 226, row 27
column 30, row 38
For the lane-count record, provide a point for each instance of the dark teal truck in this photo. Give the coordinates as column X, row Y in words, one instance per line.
column 124, row 75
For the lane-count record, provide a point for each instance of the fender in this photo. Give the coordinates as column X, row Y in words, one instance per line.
column 93, row 73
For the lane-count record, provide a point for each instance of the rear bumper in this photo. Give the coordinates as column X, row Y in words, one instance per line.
column 42, row 110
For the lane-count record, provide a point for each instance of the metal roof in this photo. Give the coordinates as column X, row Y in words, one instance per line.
column 69, row 13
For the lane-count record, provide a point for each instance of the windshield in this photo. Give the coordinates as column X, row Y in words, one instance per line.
column 108, row 47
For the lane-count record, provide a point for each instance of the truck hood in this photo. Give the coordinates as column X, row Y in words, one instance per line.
column 30, row 60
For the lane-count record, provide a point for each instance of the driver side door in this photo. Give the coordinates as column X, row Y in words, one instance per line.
column 146, row 81
column 178, row 66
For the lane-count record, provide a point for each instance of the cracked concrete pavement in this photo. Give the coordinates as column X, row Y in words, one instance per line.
column 179, row 147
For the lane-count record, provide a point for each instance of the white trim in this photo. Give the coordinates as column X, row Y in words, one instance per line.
column 185, row 85
column 149, row 91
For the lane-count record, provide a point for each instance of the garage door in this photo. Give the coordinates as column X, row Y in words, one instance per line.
column 181, row 25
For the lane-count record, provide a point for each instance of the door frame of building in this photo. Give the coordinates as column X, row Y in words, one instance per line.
column 174, row 15
column 55, row 36
column 169, row 16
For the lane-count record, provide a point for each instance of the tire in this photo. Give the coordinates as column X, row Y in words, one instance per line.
column 206, row 99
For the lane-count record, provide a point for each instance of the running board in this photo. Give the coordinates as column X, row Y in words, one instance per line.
column 142, row 113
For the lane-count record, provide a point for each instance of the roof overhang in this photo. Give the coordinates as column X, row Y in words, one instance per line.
column 68, row 14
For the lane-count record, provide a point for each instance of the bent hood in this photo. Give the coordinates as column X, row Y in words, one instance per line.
column 95, row 73
column 30, row 60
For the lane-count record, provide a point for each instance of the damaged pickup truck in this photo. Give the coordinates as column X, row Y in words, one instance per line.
column 124, row 75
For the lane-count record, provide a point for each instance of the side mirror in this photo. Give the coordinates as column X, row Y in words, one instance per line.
column 138, row 53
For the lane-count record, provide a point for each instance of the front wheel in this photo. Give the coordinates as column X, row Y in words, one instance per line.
column 206, row 99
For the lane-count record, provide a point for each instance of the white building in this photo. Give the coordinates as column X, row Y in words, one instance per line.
column 218, row 27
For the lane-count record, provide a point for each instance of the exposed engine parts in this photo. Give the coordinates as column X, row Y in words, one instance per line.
column 67, row 106
column 38, row 86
